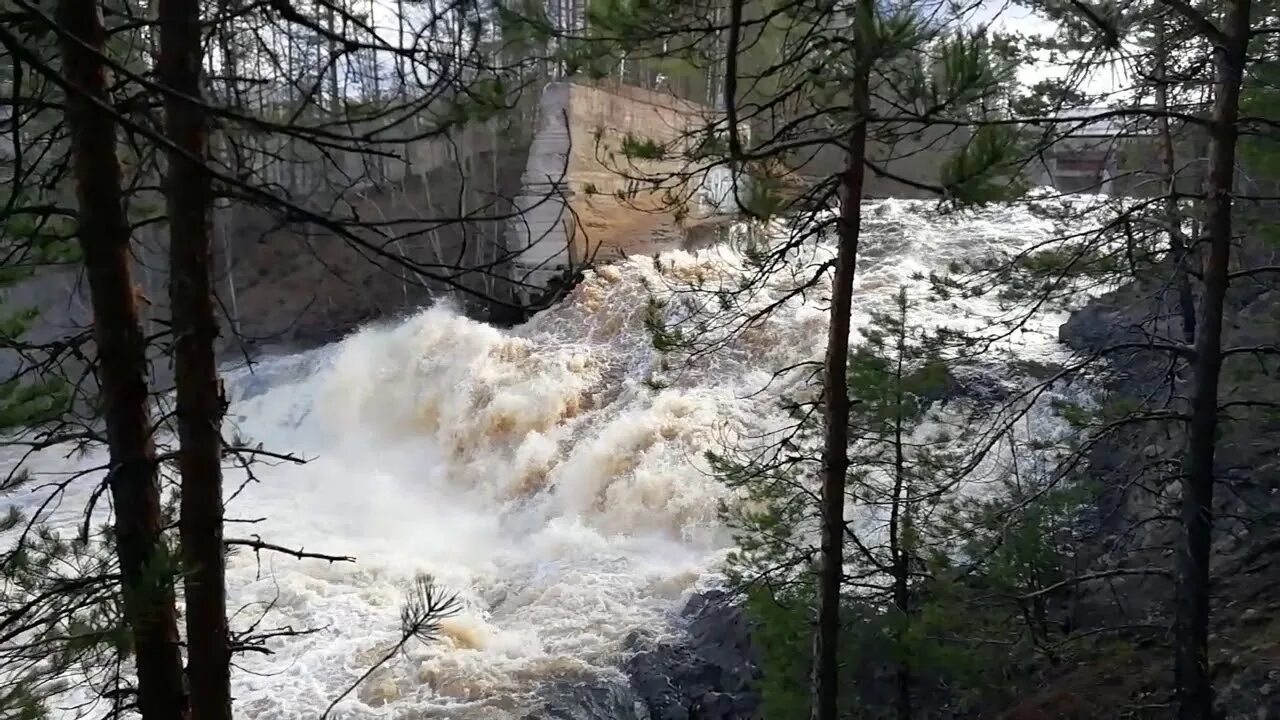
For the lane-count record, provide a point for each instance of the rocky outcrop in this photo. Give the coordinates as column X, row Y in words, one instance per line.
column 1136, row 467
column 707, row 672
column 603, row 698
column 701, row 667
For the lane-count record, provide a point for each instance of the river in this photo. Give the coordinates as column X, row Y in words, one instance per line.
column 552, row 475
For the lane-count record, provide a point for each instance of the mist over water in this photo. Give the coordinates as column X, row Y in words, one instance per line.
column 552, row 475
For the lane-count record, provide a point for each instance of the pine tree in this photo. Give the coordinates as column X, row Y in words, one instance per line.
column 848, row 65
column 900, row 482
column 200, row 401
column 104, row 235
column 1194, row 686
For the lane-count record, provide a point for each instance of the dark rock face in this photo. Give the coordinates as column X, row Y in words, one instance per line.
column 709, row 674
column 707, row 671
column 1134, row 523
column 1097, row 325
column 598, row 699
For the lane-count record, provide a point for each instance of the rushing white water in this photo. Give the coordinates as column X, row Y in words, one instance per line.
column 551, row 475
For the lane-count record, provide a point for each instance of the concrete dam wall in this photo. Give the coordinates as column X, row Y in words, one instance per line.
column 583, row 199
column 485, row 207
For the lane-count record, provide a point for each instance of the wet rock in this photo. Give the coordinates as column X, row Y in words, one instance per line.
column 707, row 673
column 703, row 667
column 604, row 698
column 1133, row 468
column 1104, row 322
column 1250, row 694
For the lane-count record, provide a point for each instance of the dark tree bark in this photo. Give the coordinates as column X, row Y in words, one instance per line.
column 1193, row 683
column 835, row 370
column 1172, row 217
column 900, row 528
column 104, row 238
column 195, row 329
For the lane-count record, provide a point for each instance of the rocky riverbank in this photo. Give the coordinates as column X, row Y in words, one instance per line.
column 703, row 667
column 1134, row 521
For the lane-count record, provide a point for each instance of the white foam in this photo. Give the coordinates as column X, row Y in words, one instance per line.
column 552, row 475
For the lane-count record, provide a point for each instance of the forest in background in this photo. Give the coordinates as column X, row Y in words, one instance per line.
column 1142, row 549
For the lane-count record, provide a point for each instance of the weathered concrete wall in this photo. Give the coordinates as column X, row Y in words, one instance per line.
column 584, row 198
column 540, row 235
column 1120, row 163
column 285, row 282
column 288, row 282
column 603, row 117
column 301, row 284
column 1128, row 164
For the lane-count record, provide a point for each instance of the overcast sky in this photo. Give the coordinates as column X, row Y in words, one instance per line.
column 1012, row 17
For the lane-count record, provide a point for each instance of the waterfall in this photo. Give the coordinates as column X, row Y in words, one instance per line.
column 553, row 474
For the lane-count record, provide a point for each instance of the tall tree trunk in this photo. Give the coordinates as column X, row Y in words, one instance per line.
column 401, row 73
column 195, row 329
column 1194, row 688
column 335, row 104
column 835, row 370
column 104, row 236
column 232, row 153
column 899, row 525
column 1172, row 217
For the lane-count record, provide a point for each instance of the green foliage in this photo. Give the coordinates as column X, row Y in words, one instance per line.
column 1083, row 26
column 76, row 629
column 1075, row 414
column 1046, row 98
column 1260, row 152
column 984, row 171
column 896, row 371
column 765, row 198
column 13, row 326
column 156, row 583
column 664, row 338
column 983, row 602
column 524, row 26
column 782, row 637
column 896, row 29
column 22, row 702
column 710, row 145
column 976, row 562
column 30, row 404
column 1052, row 270
column 621, row 17
column 637, row 148
column 484, row 99
column 892, row 377
column 965, row 72
column 33, row 236
column 595, row 59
